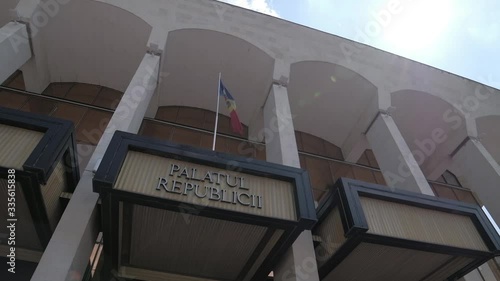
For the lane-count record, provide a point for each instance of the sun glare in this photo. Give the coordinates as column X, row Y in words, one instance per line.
column 419, row 25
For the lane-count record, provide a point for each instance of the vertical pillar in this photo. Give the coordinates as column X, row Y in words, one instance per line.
column 156, row 44
column 34, row 13
column 67, row 255
column 399, row 167
column 356, row 143
column 15, row 49
column 356, row 150
column 481, row 173
column 299, row 263
column 281, row 146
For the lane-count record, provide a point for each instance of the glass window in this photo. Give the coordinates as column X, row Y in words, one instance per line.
column 70, row 112
column 371, row 159
column 12, row 100
column 465, row 196
column 108, row 98
column 16, row 81
column 194, row 126
column 312, row 144
column 450, row 178
column 58, row 90
column 443, row 191
column 39, row 105
column 91, row 127
column 84, row 93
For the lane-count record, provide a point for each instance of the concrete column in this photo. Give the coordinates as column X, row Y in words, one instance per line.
column 399, row 167
column 34, row 12
column 69, row 249
column 481, row 173
column 356, row 143
column 157, row 43
column 299, row 263
column 15, row 50
column 356, row 150
column 281, row 146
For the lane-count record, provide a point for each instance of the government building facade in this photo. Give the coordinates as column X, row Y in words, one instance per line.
column 353, row 164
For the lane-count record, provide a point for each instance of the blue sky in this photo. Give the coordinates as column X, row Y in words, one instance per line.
column 459, row 36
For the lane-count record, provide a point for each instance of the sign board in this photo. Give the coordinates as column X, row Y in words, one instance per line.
column 206, row 186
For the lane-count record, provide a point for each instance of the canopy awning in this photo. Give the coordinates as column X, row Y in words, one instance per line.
column 370, row 232
column 174, row 212
column 37, row 164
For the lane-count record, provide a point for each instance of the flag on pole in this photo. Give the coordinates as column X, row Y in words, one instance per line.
column 231, row 106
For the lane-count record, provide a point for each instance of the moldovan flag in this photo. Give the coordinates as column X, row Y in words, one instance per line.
column 231, row 106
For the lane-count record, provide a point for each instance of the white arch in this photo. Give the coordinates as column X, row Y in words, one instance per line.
column 432, row 127
column 326, row 94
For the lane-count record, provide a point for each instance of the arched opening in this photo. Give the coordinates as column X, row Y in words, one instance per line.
column 431, row 127
column 95, row 43
column 191, row 72
column 327, row 100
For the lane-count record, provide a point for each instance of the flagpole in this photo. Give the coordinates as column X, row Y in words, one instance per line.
column 216, row 113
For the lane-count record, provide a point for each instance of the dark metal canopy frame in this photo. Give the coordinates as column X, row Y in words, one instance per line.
column 110, row 166
column 58, row 143
column 346, row 194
